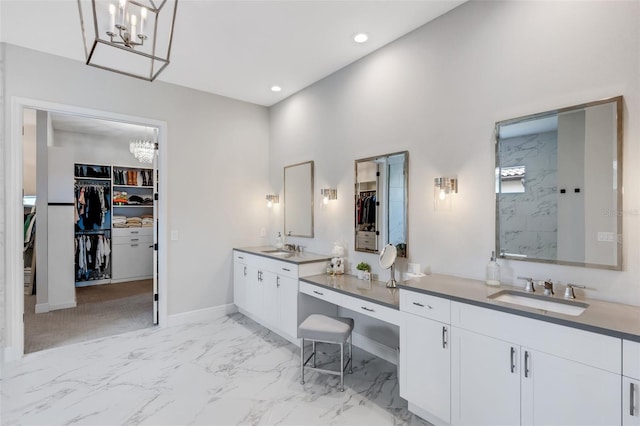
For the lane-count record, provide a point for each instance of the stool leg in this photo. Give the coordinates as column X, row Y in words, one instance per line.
column 314, row 353
column 302, row 361
column 351, row 354
column 342, row 367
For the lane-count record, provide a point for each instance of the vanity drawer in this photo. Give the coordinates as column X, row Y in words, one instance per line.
column 285, row 269
column 242, row 257
column 425, row 305
column 320, row 293
column 371, row 309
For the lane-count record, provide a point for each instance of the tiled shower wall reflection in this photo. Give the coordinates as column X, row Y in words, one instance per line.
column 528, row 221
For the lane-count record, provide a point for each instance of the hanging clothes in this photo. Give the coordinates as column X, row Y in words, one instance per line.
column 93, row 254
column 92, row 205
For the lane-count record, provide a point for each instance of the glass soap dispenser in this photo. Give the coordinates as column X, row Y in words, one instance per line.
column 493, row 271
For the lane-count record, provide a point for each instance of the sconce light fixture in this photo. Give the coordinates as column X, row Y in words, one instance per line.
column 443, row 187
column 272, row 199
column 328, row 194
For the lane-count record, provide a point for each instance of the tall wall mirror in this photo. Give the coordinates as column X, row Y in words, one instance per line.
column 559, row 186
column 298, row 200
column 381, row 202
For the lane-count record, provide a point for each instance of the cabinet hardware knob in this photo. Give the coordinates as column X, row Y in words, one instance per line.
column 367, row 309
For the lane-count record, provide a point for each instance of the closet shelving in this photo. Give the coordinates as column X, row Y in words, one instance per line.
column 366, row 223
column 92, row 217
column 133, row 221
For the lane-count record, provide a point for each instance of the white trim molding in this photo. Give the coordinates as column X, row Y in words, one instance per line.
column 201, row 315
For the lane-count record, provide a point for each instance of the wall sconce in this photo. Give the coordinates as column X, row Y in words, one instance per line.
column 272, row 199
column 328, row 194
column 442, row 189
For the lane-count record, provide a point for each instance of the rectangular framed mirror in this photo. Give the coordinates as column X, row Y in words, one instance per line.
column 559, row 186
column 298, row 200
column 381, row 202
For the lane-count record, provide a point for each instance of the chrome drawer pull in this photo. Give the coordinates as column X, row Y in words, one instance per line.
column 367, row 309
column 134, row 245
column 418, row 304
column 285, row 269
column 632, row 399
column 240, row 257
column 135, row 239
column 445, row 338
column 317, row 292
column 135, row 232
column 513, row 362
column 526, row 363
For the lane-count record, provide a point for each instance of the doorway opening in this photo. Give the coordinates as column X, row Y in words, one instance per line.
column 99, row 299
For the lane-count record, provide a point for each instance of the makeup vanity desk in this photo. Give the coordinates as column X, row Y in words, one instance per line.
column 371, row 298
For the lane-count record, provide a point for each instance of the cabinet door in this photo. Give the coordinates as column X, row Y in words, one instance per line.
column 485, row 380
column 133, row 261
column 240, row 274
column 630, row 402
column 557, row 391
column 254, row 292
column 288, row 305
column 426, row 365
column 269, row 282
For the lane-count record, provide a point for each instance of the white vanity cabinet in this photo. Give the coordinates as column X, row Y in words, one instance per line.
column 508, row 369
column 425, row 355
column 266, row 290
column 630, row 383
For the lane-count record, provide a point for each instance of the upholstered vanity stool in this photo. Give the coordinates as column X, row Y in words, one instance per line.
column 326, row 329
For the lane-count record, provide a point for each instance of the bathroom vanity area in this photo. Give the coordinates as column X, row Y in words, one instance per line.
column 465, row 357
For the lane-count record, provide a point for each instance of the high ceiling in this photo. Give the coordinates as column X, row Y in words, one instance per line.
column 239, row 48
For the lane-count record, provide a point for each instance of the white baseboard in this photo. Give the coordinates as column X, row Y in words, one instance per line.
column 41, row 308
column 375, row 348
column 65, row 305
column 206, row 314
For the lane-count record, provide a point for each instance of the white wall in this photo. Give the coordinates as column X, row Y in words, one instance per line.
column 437, row 93
column 217, row 167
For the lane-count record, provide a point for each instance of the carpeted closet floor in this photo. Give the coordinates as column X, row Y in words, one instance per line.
column 102, row 310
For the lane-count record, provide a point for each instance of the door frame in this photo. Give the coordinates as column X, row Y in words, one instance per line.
column 14, row 238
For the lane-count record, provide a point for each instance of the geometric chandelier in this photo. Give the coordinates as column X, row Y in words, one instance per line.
column 130, row 37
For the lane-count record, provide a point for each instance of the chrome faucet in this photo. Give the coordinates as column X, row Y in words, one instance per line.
column 568, row 292
column 529, row 287
column 548, row 287
column 290, row 247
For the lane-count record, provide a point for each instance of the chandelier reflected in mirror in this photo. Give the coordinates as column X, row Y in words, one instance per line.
column 130, row 37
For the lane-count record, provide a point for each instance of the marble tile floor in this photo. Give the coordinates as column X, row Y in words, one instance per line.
column 224, row 372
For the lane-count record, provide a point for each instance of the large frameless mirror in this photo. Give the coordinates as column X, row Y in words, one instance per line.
column 298, row 200
column 559, row 186
column 381, row 202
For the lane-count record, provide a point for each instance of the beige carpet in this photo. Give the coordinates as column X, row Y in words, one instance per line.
column 101, row 311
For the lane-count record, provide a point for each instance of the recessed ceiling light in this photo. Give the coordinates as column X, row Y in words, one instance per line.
column 276, row 88
column 360, row 38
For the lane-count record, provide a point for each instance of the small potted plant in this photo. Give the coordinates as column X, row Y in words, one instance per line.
column 363, row 267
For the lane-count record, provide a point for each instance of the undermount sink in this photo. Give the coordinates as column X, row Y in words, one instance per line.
column 276, row 252
column 545, row 303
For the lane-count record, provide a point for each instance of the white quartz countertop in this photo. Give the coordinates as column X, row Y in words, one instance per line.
column 293, row 257
column 613, row 319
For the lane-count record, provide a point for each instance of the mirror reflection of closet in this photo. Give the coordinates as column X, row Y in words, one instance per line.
column 381, row 188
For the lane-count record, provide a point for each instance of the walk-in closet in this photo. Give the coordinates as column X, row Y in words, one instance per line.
column 90, row 228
